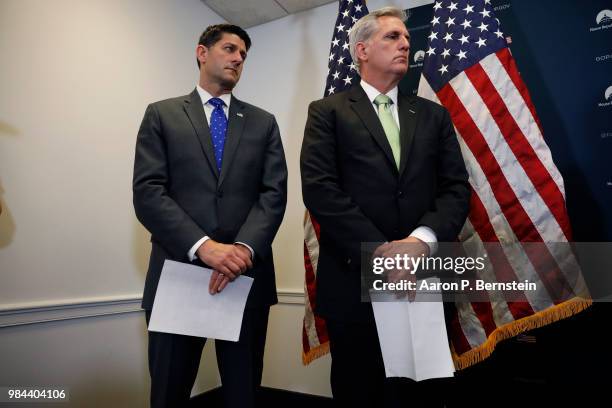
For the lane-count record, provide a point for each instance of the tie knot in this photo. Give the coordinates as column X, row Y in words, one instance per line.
column 382, row 100
column 216, row 102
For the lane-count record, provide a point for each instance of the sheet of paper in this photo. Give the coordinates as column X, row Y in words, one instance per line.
column 184, row 306
column 412, row 336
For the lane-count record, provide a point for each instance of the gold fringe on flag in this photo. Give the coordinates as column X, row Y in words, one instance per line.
column 535, row 321
column 478, row 354
column 314, row 353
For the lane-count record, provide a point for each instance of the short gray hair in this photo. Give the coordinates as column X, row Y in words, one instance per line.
column 367, row 25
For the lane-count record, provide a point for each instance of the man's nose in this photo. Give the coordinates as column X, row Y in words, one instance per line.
column 238, row 59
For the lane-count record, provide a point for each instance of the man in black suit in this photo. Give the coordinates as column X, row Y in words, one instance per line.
column 210, row 184
column 377, row 166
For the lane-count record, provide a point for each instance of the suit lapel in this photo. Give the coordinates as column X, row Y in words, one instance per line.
column 195, row 111
column 363, row 107
column 235, row 126
column 407, row 110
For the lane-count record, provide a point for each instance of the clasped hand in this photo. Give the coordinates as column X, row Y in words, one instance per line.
column 227, row 261
column 410, row 246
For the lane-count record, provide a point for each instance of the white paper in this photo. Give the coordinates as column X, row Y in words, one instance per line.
column 183, row 304
column 412, row 336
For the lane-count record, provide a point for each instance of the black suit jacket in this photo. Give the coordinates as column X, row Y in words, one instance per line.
column 352, row 187
column 180, row 197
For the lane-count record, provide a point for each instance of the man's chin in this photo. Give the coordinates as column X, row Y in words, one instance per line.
column 229, row 83
column 400, row 66
column 401, row 71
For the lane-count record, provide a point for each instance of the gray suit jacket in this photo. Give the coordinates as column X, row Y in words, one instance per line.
column 179, row 195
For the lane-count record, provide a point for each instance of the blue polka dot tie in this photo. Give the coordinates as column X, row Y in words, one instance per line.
column 218, row 129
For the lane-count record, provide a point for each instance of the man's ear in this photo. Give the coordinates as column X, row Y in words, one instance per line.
column 361, row 52
column 201, row 53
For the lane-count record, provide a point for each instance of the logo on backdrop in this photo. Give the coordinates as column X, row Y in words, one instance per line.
column 604, row 17
column 418, row 58
column 603, row 20
column 605, row 57
column 608, row 98
column 504, row 6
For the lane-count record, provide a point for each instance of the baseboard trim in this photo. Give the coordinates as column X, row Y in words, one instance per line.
column 67, row 309
column 42, row 312
column 290, row 297
column 269, row 397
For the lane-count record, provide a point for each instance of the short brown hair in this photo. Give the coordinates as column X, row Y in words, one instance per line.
column 213, row 34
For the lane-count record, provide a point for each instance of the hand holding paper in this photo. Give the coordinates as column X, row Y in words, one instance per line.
column 183, row 304
column 218, row 282
column 409, row 247
column 228, row 259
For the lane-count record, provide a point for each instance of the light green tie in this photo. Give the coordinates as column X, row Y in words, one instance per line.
column 383, row 102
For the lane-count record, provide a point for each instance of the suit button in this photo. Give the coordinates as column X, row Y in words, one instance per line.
column 220, row 193
column 348, row 261
column 400, row 193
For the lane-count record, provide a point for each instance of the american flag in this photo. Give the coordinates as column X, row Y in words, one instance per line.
column 341, row 74
column 517, row 192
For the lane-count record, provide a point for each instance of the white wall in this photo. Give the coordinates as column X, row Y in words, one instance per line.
column 75, row 79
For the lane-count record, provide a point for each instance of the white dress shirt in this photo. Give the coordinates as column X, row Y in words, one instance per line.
column 423, row 232
column 208, row 108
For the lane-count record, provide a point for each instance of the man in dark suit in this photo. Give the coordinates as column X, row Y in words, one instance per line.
column 377, row 166
column 210, row 184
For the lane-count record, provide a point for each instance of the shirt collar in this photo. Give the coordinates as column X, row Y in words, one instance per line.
column 205, row 96
column 373, row 92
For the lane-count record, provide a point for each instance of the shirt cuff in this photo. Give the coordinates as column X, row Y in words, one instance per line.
column 248, row 247
column 428, row 236
column 191, row 255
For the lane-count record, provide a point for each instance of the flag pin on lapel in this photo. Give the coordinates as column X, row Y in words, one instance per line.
column 239, row 114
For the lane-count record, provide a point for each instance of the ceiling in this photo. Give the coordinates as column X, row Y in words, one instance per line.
column 249, row 13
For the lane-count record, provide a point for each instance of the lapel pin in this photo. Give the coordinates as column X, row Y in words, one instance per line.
column 411, row 111
column 239, row 114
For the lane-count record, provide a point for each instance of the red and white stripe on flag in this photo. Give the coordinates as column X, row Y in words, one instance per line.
column 517, row 192
column 315, row 342
column 517, row 196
